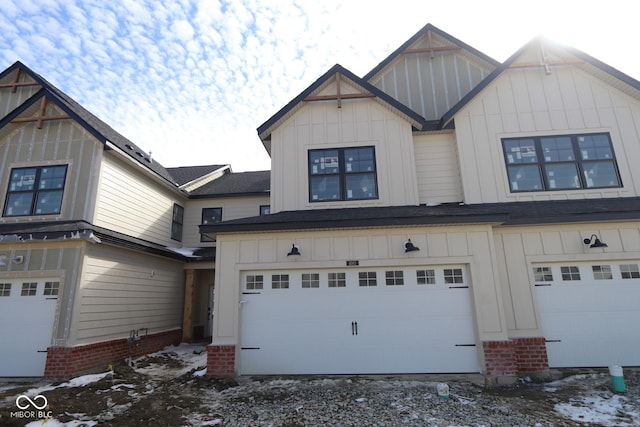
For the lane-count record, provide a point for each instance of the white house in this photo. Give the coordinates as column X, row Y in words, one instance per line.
column 443, row 213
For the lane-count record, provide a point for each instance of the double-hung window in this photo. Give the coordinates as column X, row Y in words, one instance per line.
column 177, row 220
column 342, row 174
column 210, row 216
column 565, row 162
column 35, row 191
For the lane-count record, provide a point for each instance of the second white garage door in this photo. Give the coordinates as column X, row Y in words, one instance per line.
column 590, row 313
column 365, row 321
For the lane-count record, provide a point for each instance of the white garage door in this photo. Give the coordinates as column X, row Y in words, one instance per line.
column 366, row 321
column 590, row 313
column 27, row 309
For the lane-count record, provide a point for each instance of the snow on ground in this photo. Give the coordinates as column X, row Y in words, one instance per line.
column 593, row 403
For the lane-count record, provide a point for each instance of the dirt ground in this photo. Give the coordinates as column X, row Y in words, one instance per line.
column 130, row 397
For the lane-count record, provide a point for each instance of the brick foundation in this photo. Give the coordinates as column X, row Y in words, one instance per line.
column 221, row 361
column 65, row 362
column 531, row 355
column 507, row 360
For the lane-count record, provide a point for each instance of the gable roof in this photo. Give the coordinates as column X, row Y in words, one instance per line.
column 417, row 36
column 257, row 183
column 264, row 130
column 186, row 174
column 98, row 128
column 594, row 65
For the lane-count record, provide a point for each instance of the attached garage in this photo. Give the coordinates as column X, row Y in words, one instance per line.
column 28, row 308
column 359, row 320
column 590, row 312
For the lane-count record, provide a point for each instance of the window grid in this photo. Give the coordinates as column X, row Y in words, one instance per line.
column 630, row 271
column 280, row 281
column 254, row 282
column 310, row 280
column 51, row 288
column 342, row 174
column 29, row 289
column 337, row 280
column 394, row 278
column 564, row 162
column 602, row 272
column 453, row 275
column 570, row 273
column 5, row 289
column 35, row 191
column 367, row 278
column 426, row 277
column 542, row 274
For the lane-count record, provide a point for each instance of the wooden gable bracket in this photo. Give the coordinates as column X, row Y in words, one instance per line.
column 545, row 62
column 430, row 49
column 41, row 116
column 16, row 83
column 339, row 96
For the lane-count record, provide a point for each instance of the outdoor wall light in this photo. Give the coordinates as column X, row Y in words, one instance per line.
column 410, row 247
column 17, row 260
column 597, row 243
column 294, row 250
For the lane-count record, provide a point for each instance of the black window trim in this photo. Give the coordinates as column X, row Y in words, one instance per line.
column 175, row 222
column 578, row 162
column 342, row 174
column 204, row 238
column 35, row 190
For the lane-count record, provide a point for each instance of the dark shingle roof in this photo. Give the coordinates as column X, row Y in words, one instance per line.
column 256, row 183
column 513, row 213
column 185, row 174
column 99, row 129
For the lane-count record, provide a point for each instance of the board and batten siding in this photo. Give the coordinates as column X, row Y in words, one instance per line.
column 9, row 99
column 59, row 142
column 124, row 290
column 373, row 248
column 437, row 168
column 321, row 125
column 232, row 208
column 431, row 85
column 518, row 248
column 133, row 204
column 529, row 102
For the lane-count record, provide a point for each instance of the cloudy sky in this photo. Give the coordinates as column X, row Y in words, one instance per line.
column 191, row 80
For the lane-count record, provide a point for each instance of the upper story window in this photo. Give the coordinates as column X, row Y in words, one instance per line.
column 265, row 209
column 342, row 174
column 564, row 162
column 35, row 191
column 209, row 216
column 176, row 222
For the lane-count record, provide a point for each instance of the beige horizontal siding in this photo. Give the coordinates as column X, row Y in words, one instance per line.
column 122, row 291
column 437, row 169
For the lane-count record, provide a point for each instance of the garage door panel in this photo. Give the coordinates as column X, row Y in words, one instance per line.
column 590, row 321
column 356, row 329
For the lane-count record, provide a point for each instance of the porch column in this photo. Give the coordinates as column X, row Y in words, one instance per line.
column 189, row 296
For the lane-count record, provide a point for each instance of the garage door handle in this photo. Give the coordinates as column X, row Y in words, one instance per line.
column 354, row 328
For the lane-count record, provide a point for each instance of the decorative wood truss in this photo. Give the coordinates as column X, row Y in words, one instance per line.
column 339, row 96
column 17, row 83
column 41, row 116
column 431, row 49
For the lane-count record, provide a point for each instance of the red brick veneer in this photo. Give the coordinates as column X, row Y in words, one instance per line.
column 221, row 361
column 65, row 362
column 499, row 359
column 531, row 355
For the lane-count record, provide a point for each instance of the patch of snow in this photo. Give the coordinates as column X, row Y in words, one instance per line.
column 200, row 373
column 189, row 355
column 603, row 410
column 52, row 422
column 75, row 382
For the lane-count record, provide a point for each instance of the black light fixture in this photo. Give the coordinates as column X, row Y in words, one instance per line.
column 410, row 247
column 294, row 250
column 597, row 243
